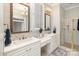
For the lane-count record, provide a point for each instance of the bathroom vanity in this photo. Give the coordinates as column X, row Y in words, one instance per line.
column 26, row 47
column 49, row 43
column 32, row 46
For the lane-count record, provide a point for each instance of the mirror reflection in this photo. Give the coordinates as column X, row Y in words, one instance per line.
column 47, row 21
column 20, row 18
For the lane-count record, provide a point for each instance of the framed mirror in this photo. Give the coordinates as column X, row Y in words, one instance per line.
column 20, row 18
column 47, row 21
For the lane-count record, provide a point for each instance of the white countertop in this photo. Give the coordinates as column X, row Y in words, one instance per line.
column 47, row 36
column 46, row 39
column 19, row 44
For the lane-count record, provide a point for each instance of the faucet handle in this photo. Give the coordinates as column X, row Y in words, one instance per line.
column 19, row 38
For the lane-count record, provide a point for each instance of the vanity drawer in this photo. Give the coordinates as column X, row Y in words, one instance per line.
column 57, row 40
column 53, row 43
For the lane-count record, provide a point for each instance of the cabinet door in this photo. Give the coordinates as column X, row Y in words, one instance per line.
column 57, row 38
column 53, row 43
column 35, row 49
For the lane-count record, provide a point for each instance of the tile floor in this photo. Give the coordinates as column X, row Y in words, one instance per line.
column 63, row 51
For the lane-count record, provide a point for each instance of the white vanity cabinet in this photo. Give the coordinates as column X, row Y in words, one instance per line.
column 19, row 52
column 32, row 49
column 35, row 49
column 50, row 42
column 55, row 42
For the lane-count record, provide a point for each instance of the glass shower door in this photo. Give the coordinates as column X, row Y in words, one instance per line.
column 72, row 35
column 67, row 33
column 76, row 35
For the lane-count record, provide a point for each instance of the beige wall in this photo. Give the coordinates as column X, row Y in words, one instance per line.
column 1, row 29
column 7, row 14
column 1, row 18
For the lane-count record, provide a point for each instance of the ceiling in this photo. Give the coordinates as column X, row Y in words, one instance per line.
column 66, row 6
column 69, row 5
column 48, row 4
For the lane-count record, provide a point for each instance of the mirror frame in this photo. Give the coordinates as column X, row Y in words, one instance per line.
column 11, row 16
column 47, row 13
